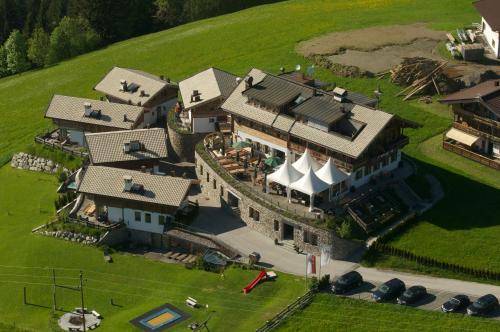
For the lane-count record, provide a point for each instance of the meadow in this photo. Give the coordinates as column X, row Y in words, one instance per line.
column 262, row 37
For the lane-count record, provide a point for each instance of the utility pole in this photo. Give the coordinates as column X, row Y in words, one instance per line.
column 54, row 304
column 83, row 305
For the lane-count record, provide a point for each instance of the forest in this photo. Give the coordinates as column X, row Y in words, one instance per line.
column 37, row 33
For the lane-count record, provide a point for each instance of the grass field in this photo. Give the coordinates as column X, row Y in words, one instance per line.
column 136, row 284
column 263, row 37
column 331, row 313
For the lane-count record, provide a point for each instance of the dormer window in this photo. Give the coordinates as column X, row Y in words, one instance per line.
column 132, row 146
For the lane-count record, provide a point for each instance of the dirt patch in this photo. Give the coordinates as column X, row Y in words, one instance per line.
column 368, row 39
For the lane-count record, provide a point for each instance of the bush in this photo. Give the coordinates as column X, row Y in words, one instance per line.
column 313, row 284
column 324, row 282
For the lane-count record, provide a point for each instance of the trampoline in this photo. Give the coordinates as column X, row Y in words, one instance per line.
column 159, row 319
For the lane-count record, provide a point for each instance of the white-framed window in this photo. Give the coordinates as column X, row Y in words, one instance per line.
column 162, row 220
column 138, row 216
column 147, row 218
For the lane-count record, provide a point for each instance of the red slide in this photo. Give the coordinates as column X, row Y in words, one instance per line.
column 254, row 283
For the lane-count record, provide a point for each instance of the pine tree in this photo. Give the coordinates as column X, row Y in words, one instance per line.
column 3, row 62
column 38, row 46
column 16, row 50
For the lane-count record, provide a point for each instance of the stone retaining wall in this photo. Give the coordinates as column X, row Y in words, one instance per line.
column 270, row 222
column 26, row 161
column 181, row 146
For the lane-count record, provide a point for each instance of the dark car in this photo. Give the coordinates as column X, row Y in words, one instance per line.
column 389, row 290
column 347, row 282
column 412, row 295
column 456, row 303
column 483, row 305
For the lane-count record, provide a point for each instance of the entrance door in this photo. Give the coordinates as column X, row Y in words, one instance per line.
column 287, row 232
column 232, row 200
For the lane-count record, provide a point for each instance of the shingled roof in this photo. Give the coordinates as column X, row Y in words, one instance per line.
column 211, row 84
column 486, row 93
column 137, row 80
column 374, row 121
column 109, row 182
column 111, row 114
column 490, row 10
column 109, row 147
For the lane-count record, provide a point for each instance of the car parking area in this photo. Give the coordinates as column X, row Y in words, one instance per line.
column 432, row 301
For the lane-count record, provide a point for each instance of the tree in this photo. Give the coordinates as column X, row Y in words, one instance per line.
column 169, row 12
column 3, row 62
column 37, row 47
column 16, row 51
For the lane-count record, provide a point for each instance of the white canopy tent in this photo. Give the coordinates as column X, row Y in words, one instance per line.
column 305, row 162
column 285, row 176
column 310, row 184
column 331, row 174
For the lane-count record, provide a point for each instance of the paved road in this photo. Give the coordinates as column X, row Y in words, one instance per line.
column 217, row 220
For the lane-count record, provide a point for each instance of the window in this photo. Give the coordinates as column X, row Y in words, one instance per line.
column 385, row 161
column 359, row 174
column 208, row 177
column 138, row 216
column 314, row 239
column 254, row 214
column 201, row 169
column 161, row 220
column 147, row 218
column 211, row 120
column 276, row 225
column 214, row 184
column 376, row 166
column 310, row 238
column 368, row 170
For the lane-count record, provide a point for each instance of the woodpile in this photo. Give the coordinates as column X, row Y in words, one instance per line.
column 420, row 76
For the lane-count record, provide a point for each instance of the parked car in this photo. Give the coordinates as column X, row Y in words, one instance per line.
column 456, row 303
column 412, row 295
column 483, row 305
column 389, row 290
column 347, row 282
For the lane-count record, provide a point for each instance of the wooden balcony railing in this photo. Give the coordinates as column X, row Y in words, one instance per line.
column 474, row 131
column 493, row 163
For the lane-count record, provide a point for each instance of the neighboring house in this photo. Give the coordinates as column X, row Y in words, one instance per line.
column 76, row 116
column 476, row 123
column 130, row 86
column 490, row 22
column 140, row 149
column 202, row 96
column 145, row 203
column 282, row 118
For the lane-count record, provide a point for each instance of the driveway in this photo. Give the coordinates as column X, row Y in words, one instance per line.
column 218, row 220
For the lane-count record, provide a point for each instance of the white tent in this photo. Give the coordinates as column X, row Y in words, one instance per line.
column 285, row 175
column 305, row 162
column 331, row 174
column 310, row 184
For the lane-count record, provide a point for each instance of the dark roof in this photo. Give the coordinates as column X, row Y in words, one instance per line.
column 359, row 99
column 227, row 82
column 487, row 93
column 277, row 92
column 490, row 10
column 323, row 109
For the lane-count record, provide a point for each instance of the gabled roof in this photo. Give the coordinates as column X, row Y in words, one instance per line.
column 375, row 120
column 323, row 109
column 109, row 182
column 275, row 91
column 211, row 84
column 490, row 10
column 112, row 114
column 109, row 147
column 141, row 81
column 486, row 93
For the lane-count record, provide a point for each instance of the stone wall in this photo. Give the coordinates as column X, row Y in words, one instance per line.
column 26, row 161
column 271, row 223
column 181, row 146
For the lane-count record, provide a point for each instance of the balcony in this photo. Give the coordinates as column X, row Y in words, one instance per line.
column 485, row 160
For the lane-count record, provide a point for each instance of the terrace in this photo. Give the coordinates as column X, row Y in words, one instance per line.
column 54, row 140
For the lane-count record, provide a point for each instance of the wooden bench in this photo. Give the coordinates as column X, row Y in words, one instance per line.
column 174, row 256
column 237, row 170
column 181, row 257
column 191, row 302
column 96, row 314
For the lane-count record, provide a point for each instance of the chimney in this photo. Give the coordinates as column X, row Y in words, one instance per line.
column 127, row 183
column 125, row 118
column 497, row 83
column 139, row 103
column 248, row 82
column 88, row 108
column 143, row 93
column 238, row 80
column 124, row 85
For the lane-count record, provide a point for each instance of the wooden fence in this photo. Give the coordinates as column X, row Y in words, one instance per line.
column 298, row 304
column 58, row 146
column 471, row 155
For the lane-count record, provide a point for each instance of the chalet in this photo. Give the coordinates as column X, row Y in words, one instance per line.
column 140, row 149
column 202, row 95
column 156, row 94
column 476, row 123
column 145, row 203
column 76, row 116
column 282, row 117
column 490, row 22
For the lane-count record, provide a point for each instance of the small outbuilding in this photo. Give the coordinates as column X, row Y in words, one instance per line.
column 490, row 22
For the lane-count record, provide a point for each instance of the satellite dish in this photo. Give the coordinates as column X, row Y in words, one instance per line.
column 310, row 71
column 297, row 68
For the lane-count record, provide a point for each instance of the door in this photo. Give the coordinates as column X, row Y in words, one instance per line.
column 288, row 231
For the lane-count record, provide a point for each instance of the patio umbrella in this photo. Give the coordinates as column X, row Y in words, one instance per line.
column 241, row 145
column 273, row 161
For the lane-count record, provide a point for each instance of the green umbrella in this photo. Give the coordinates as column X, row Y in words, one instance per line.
column 241, row 145
column 273, row 161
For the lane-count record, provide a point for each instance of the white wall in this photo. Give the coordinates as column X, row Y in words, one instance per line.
column 203, row 125
column 492, row 37
column 246, row 136
column 76, row 136
column 496, row 150
column 167, row 106
column 128, row 216
column 365, row 179
column 152, row 115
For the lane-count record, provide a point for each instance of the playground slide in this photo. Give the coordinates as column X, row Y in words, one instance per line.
column 254, row 283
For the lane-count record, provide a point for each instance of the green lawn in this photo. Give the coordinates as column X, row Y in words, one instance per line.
column 134, row 283
column 331, row 313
